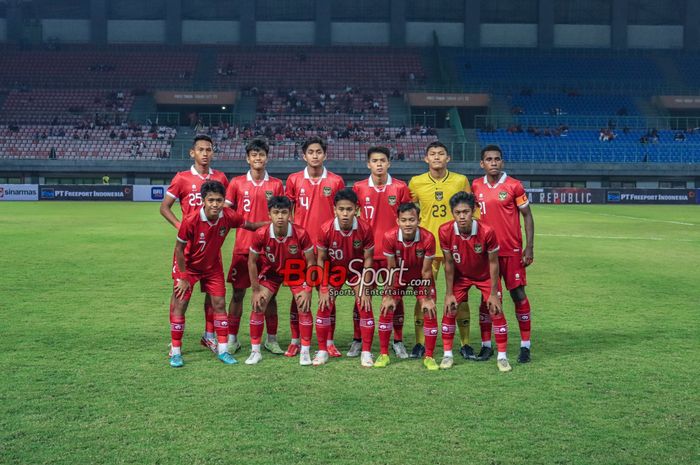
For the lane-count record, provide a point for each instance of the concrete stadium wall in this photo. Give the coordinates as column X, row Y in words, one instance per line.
column 285, row 32
column 509, row 35
column 135, row 31
column 67, row 30
column 360, row 33
column 657, row 37
column 211, row 32
column 449, row 34
column 582, row 35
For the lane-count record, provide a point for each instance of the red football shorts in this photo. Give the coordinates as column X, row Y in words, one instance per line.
column 212, row 283
column 513, row 271
column 273, row 284
column 461, row 288
column 238, row 272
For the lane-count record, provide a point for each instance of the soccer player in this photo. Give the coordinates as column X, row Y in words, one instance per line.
column 410, row 250
column 471, row 259
column 198, row 258
column 502, row 200
column 312, row 191
column 275, row 246
column 379, row 197
column 346, row 243
column 432, row 191
column 248, row 195
column 186, row 187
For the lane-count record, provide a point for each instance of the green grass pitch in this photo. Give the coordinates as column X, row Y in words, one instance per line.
column 84, row 376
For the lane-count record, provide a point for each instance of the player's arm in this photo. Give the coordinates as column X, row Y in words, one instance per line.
column 324, row 298
column 528, row 253
column 494, row 303
column 183, row 284
column 166, row 210
column 255, row 226
column 450, row 300
column 303, row 299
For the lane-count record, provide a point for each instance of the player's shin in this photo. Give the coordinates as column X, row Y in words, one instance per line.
column 500, row 328
column 323, row 326
column 257, row 323
column 209, row 319
column 306, row 329
column 485, row 324
column 463, row 322
column 448, row 333
column 522, row 312
column 177, row 329
column 385, row 327
column 366, row 329
column 221, row 329
column 430, row 331
column 294, row 320
column 398, row 321
column 356, row 333
column 418, row 314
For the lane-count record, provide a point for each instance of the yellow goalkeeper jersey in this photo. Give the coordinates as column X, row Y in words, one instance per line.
column 433, row 197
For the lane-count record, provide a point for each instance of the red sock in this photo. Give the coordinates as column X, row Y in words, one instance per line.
column 366, row 329
column 234, row 324
column 522, row 312
column 209, row 318
column 294, row 319
column 177, row 328
column 306, row 327
column 430, row 331
column 221, row 327
column 385, row 326
column 500, row 328
column 448, row 331
column 272, row 321
column 485, row 322
column 398, row 321
column 331, row 331
column 257, row 323
column 323, row 327
column 356, row 333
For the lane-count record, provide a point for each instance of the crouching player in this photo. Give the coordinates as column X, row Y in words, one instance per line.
column 471, row 259
column 409, row 250
column 280, row 246
column 198, row 258
column 345, row 243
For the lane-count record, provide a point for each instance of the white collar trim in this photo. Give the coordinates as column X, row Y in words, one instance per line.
column 416, row 239
column 203, row 216
column 323, row 175
column 336, row 225
column 194, row 171
column 501, row 180
column 249, row 177
column 475, row 228
column 272, row 231
column 388, row 181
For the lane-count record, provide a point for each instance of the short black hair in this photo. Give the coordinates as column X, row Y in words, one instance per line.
column 280, row 202
column 258, row 144
column 345, row 194
column 212, row 187
column 314, row 140
column 462, row 197
column 436, row 144
column 491, row 148
column 204, row 137
column 406, row 207
column 379, row 149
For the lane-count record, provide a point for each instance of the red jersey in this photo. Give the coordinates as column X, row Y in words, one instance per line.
column 470, row 253
column 274, row 252
column 379, row 205
column 500, row 206
column 313, row 199
column 249, row 198
column 186, row 187
column 345, row 246
column 411, row 254
column 204, row 238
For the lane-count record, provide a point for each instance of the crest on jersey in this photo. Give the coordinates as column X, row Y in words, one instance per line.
column 478, row 248
column 502, row 195
column 268, row 195
column 327, row 191
column 392, row 200
column 222, row 231
column 420, row 253
column 438, row 195
column 356, row 243
column 293, row 249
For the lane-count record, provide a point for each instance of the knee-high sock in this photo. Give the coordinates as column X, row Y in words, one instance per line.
column 221, row 327
column 323, row 327
column 306, row 327
column 485, row 322
column 522, row 312
column 366, row 328
column 385, row 325
column 234, row 323
column 208, row 317
column 177, row 328
column 294, row 319
column 398, row 321
column 500, row 328
column 331, row 331
column 431, row 333
column 257, row 324
column 418, row 314
column 272, row 321
column 356, row 333
column 463, row 322
column 448, row 331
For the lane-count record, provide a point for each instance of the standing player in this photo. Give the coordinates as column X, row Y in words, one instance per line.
column 471, row 259
column 248, row 195
column 411, row 249
column 198, row 258
column 186, row 187
column 311, row 192
column 502, row 200
column 275, row 246
column 432, row 191
column 379, row 198
column 344, row 243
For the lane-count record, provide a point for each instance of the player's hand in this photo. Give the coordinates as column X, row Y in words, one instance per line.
column 528, row 256
column 494, row 304
column 303, row 300
column 450, row 304
column 324, row 299
column 365, row 302
column 429, row 307
column 259, row 300
column 181, row 288
column 388, row 305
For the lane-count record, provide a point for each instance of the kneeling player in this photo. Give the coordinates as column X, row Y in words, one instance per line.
column 279, row 245
column 345, row 242
column 198, row 257
column 471, row 259
column 409, row 250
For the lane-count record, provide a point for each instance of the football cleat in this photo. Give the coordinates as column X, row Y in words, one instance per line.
column 210, row 344
column 292, row 350
column 418, row 351
column 234, row 347
column 366, row 360
column 254, row 358
column 484, row 354
column 524, row 356
column 274, row 347
column 467, row 352
column 227, row 358
column 355, row 348
column 333, row 351
column 400, row 350
column 446, row 363
column 382, row 361
column 430, row 364
column 305, row 359
column 503, row 365
column 320, row 358
column 176, row 361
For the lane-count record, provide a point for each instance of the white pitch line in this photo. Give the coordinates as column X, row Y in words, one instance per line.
column 645, row 219
column 583, row 236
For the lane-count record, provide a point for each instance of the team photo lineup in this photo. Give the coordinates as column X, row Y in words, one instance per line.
column 381, row 237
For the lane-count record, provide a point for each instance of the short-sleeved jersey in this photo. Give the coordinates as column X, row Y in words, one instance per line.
column 433, row 196
column 345, row 246
column 204, row 238
column 313, row 199
column 274, row 252
column 411, row 254
column 470, row 253
column 187, row 185
column 249, row 198
column 500, row 206
column 379, row 205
